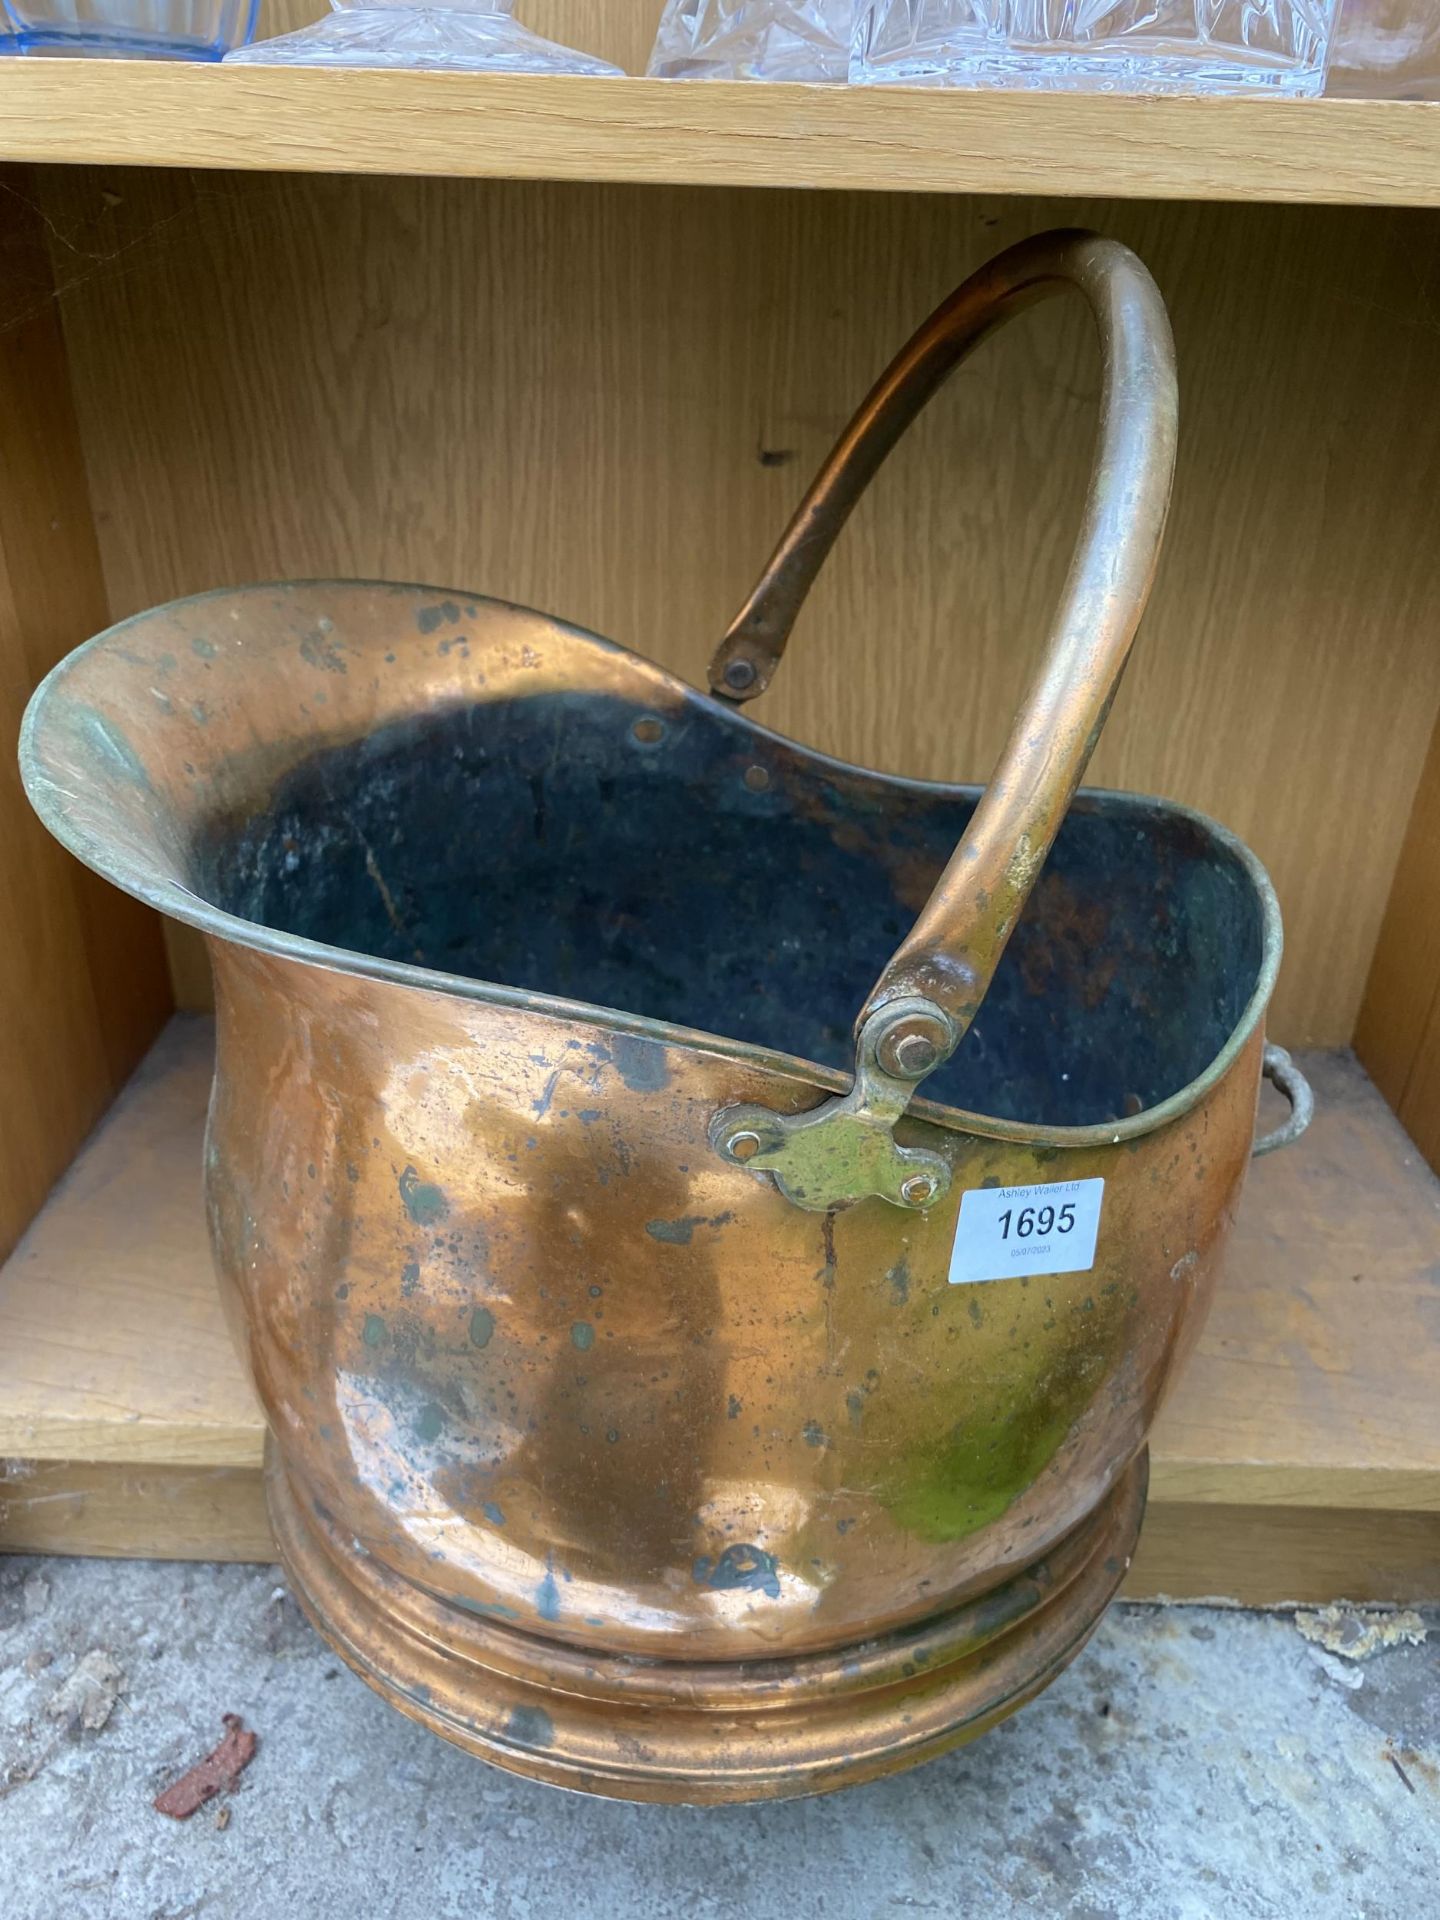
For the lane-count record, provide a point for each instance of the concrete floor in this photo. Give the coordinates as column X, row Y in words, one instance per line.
column 1193, row 1765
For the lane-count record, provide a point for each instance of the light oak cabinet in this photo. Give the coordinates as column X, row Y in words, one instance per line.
column 579, row 344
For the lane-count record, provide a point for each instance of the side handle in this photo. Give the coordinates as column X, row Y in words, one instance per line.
column 1283, row 1074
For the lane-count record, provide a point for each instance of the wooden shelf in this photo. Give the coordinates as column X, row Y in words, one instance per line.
column 1298, row 1460
column 706, row 133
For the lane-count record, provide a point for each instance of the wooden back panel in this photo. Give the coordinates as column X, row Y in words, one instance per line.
column 1398, row 1033
column 82, row 980
column 603, row 401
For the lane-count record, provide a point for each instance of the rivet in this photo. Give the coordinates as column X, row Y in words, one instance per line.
column 648, row 730
column 912, row 1046
column 744, row 1146
column 917, row 1189
column 756, row 779
column 915, row 1055
column 739, row 674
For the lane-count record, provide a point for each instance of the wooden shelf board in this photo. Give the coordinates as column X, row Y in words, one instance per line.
column 113, row 1347
column 1299, row 1457
column 159, row 114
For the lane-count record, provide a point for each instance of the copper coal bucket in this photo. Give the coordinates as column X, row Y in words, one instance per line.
column 666, row 1398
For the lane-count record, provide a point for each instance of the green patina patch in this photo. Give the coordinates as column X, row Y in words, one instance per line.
column 679, row 1233
column 482, row 1327
column 675, row 1233
column 317, row 649
column 582, row 1336
column 530, row 1727
column 374, row 1330
column 425, row 1203
column 951, row 1487
column 431, row 619
column 114, row 748
column 742, row 1568
column 547, row 1597
column 641, row 1064
column 430, row 1421
column 484, row 1607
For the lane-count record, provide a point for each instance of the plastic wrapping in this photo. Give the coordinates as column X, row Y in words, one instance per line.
column 1123, row 46
column 754, row 40
column 463, row 35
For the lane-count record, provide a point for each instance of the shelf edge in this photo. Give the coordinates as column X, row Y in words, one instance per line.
column 526, row 127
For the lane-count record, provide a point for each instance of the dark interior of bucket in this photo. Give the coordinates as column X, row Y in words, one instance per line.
column 678, row 866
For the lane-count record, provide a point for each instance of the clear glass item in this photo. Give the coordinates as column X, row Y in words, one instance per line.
column 928, row 42
column 754, row 40
column 131, row 29
column 1120, row 46
column 1386, row 50
column 464, row 35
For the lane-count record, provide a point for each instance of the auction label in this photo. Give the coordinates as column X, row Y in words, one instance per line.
column 1009, row 1230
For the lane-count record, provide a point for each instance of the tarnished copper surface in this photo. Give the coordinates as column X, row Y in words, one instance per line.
column 764, row 1729
column 524, row 1337
column 591, row 1448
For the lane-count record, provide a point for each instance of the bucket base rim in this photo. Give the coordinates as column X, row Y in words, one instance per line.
column 509, row 1698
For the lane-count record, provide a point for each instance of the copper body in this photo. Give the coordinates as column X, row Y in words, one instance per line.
column 592, row 1449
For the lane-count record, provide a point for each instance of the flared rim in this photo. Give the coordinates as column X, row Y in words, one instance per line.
column 170, row 897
